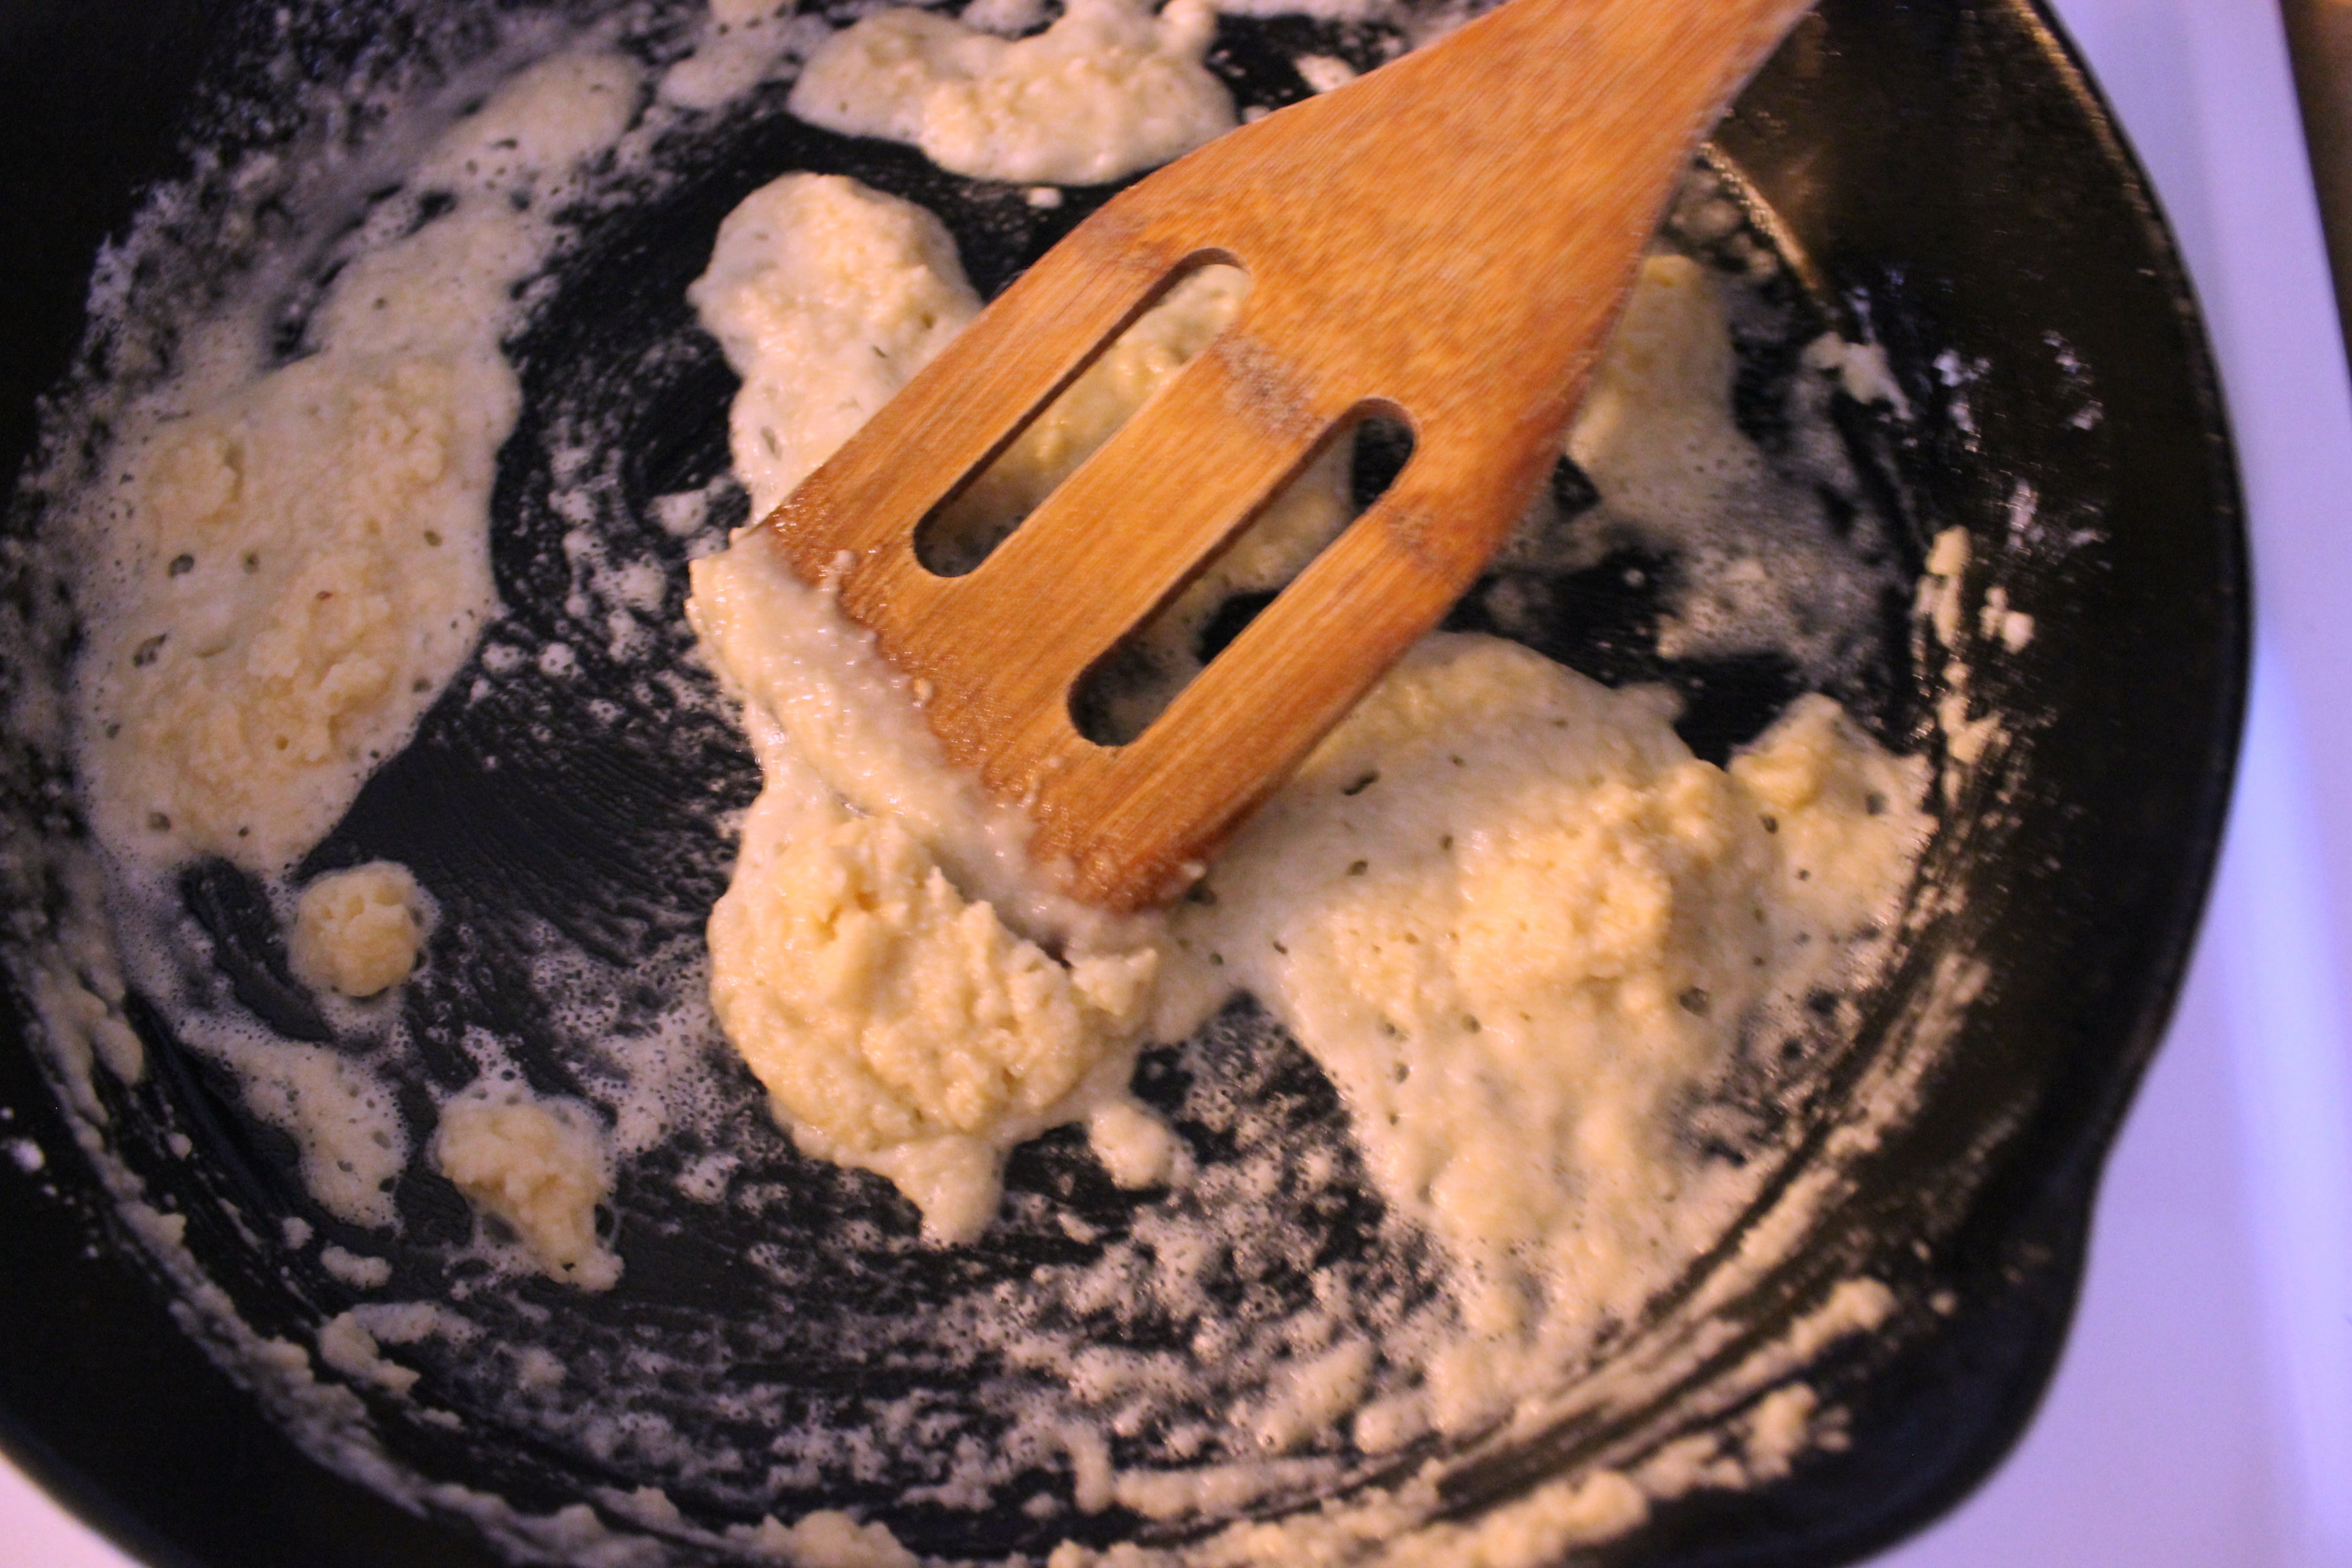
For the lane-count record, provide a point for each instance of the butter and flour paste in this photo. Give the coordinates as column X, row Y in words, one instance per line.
column 1504, row 907
column 1505, row 913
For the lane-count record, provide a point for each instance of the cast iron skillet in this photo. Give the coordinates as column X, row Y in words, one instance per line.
column 1940, row 170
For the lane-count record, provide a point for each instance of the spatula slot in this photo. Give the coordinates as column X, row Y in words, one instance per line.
column 1124, row 691
column 1114, row 384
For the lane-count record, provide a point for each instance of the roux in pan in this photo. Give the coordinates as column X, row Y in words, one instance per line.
column 1521, row 937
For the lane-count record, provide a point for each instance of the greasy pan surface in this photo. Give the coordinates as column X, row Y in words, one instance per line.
column 1939, row 170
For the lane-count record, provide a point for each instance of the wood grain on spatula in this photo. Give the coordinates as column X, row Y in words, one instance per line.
column 1447, row 241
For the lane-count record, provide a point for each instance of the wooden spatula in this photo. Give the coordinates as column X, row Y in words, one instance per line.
column 1447, row 241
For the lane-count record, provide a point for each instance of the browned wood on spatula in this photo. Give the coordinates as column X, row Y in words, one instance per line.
column 1448, row 239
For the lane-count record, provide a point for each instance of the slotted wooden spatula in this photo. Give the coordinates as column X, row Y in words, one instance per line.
column 1447, row 241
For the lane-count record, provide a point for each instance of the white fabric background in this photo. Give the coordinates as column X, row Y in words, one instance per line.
column 2202, row 1414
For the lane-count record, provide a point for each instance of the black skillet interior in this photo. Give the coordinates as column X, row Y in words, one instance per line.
column 1939, row 170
